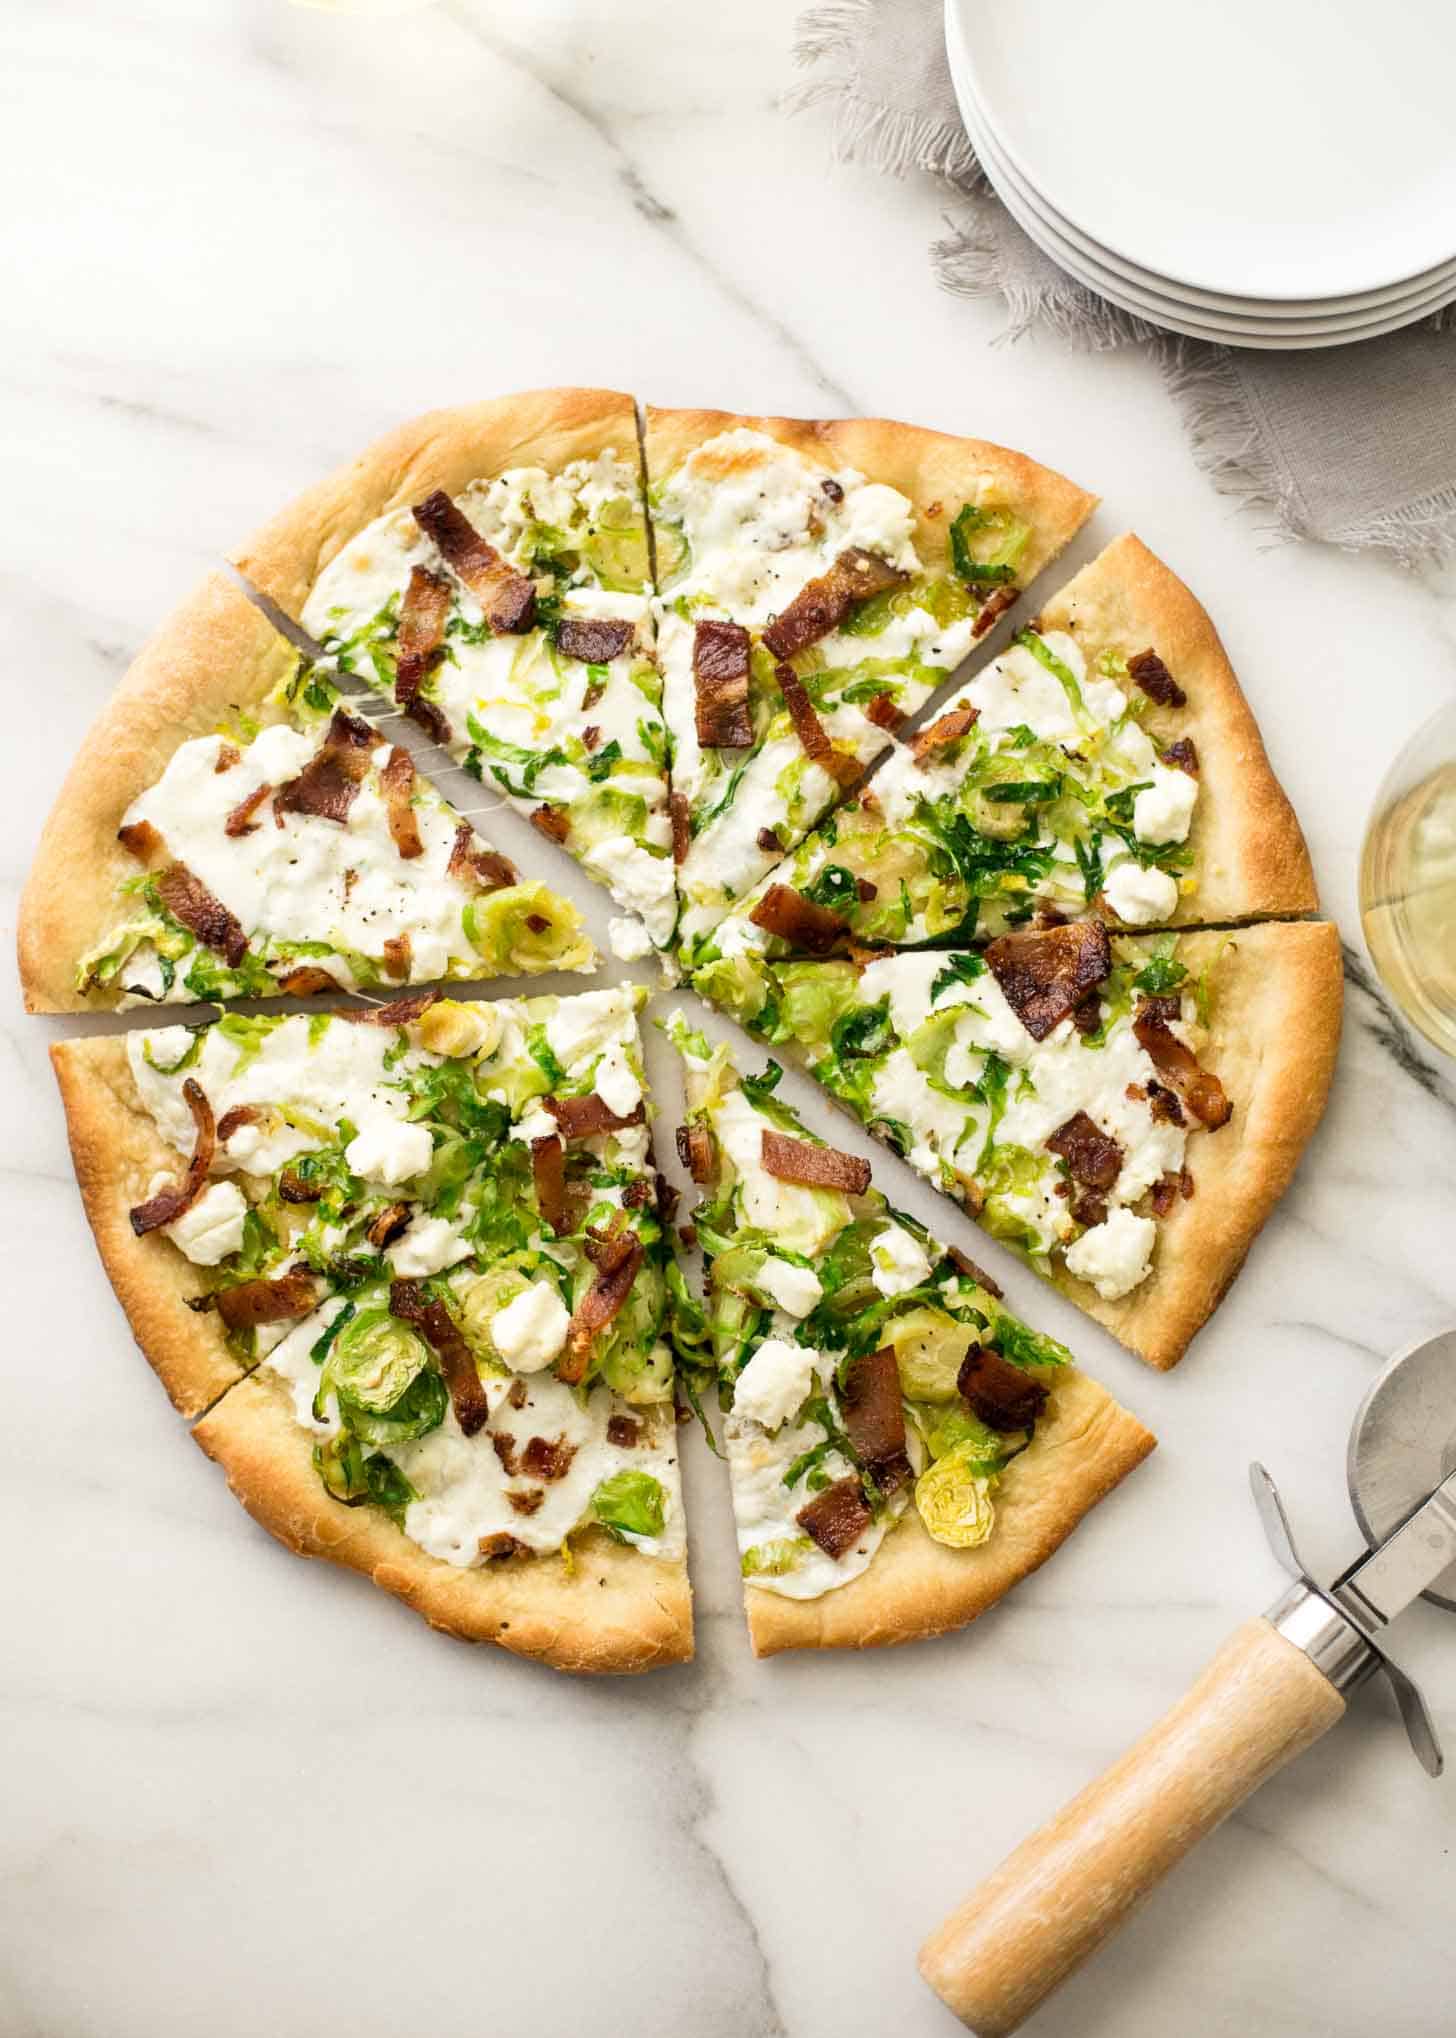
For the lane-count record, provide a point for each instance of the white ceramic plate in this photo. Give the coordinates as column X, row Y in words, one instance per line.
column 1175, row 296
column 1272, row 149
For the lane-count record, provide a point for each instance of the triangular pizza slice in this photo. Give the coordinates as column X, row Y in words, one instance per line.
column 489, row 570
column 235, row 829
column 816, row 583
column 1106, row 761
column 1124, row 1110
column 409, row 1268
column 902, row 1448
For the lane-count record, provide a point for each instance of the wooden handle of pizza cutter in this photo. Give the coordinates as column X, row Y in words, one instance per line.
column 1064, row 1891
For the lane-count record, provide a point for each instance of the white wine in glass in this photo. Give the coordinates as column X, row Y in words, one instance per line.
column 1408, row 881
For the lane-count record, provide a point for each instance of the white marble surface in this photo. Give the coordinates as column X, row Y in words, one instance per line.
column 245, row 1795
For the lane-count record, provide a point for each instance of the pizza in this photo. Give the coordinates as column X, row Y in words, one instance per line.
column 901, row 1448
column 406, row 1270
column 234, row 828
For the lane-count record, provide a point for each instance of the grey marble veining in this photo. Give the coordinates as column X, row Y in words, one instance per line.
column 247, row 1794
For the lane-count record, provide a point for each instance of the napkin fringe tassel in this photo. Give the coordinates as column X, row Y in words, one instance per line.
column 890, row 139
column 974, row 260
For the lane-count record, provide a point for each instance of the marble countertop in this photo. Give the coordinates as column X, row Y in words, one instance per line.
column 243, row 1794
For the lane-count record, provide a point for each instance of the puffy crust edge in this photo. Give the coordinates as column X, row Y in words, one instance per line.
column 116, row 1150
column 1252, row 859
column 916, row 1587
column 215, row 654
column 936, row 470
column 617, row 1611
column 443, row 449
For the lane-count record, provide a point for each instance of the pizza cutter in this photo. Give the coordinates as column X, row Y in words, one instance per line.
column 1275, row 1686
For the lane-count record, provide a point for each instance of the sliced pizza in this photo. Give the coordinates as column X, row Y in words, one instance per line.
column 901, row 1448
column 816, row 583
column 1124, row 1110
column 488, row 569
column 409, row 1268
column 233, row 828
column 1107, row 760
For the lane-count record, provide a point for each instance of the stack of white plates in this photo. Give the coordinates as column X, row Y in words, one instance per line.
column 1266, row 173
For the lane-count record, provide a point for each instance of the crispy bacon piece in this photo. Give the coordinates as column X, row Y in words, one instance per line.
column 791, row 916
column 469, row 858
column 420, row 644
column 837, row 1517
column 637, row 1195
column 696, row 1151
column 228, row 754
column 964, row 1264
column 823, row 605
column 397, row 954
column 142, row 839
column 439, row 1329
column 398, row 782
column 517, row 1394
column 720, row 678
column 1167, row 1189
column 682, row 832
column 943, row 731
column 306, row 982
column 505, row 1449
column 994, row 608
column 399, row 1012
column 240, row 821
column 263, row 1301
column 813, row 739
column 666, row 1200
column 1147, row 670
column 553, row 822
column 595, row 1311
column 591, row 736
column 547, row 1458
column 591, row 639
column 508, row 598
column 329, row 783
column 1001, row 1395
column 624, row 1431
column 388, row 1225
column 189, row 901
column 1182, row 756
column 499, row 1545
column 874, row 1418
column 581, row 1117
column 169, row 1204
column 526, row 1500
column 607, row 1249
column 231, row 1119
column 768, row 841
column 430, row 718
column 1087, row 1016
column 548, row 1171
column 816, row 1167
column 1181, row 1069
column 1088, row 1209
column 294, row 1189
column 884, row 712
column 1093, row 1156
column 1164, row 1105
column 1046, row 972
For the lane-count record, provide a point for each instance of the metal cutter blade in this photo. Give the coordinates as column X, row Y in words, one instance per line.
column 1403, row 1445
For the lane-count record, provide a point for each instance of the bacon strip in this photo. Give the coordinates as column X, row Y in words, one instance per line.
column 817, row 1167
column 397, row 955
column 1181, row 1069
column 592, row 639
column 469, row 858
column 720, row 678
column 329, row 783
column 837, row 1517
column 388, row 1225
column 945, row 730
column 240, row 821
column 496, row 1547
column 1182, row 756
column 624, row 1431
column 823, row 605
column 813, row 738
column 508, row 598
column 696, row 1151
column 595, row 1311
column 1000, row 1395
column 607, row 1249
column 682, row 834
column 885, row 712
column 553, row 822
column 440, row 1330
column 263, row 1301
column 231, row 1119
column 227, row 756
column 874, row 1418
column 306, row 982
column 548, row 1170
column 581, row 1117
column 964, row 1264
column 400, row 1012
column 142, row 839
column 294, row 1189
column 193, row 906
column 994, row 608
column 169, row 1204
column 547, row 1458
column 420, row 644
column 1093, row 1156
column 791, row 916
column 1046, row 972
column 398, row 782
column 1147, row 670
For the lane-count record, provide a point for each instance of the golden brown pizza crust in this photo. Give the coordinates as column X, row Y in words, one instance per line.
column 118, row 1151
column 443, row 449
column 1277, row 992
column 614, row 1610
column 214, row 657
column 937, row 471
column 1084, row 1445
column 1250, row 857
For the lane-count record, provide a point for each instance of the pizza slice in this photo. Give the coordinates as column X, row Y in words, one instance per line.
column 408, row 1266
column 902, row 1449
column 234, row 829
column 1107, row 760
column 1124, row 1110
column 489, row 570
column 816, row 583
